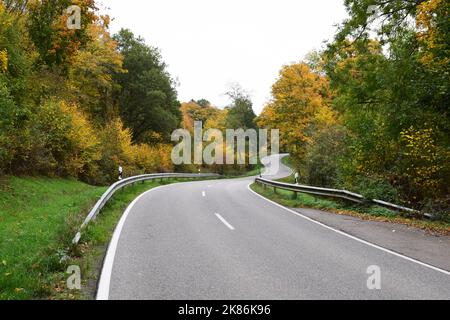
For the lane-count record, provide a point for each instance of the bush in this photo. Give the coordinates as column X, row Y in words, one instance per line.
column 376, row 188
column 7, row 121
column 425, row 165
column 48, row 133
column 62, row 143
column 116, row 149
column 148, row 159
column 322, row 157
column 83, row 145
column 440, row 208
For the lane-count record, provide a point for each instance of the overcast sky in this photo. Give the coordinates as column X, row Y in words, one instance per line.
column 209, row 44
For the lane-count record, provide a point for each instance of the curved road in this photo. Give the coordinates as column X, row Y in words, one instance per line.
column 219, row 240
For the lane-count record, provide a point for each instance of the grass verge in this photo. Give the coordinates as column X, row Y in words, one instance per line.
column 38, row 217
column 375, row 213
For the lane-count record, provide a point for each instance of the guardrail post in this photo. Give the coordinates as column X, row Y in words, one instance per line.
column 294, row 195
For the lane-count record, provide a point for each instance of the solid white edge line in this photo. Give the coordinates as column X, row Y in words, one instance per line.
column 105, row 276
column 225, row 222
column 350, row 236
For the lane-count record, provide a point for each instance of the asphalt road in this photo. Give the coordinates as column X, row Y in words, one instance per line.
column 218, row 240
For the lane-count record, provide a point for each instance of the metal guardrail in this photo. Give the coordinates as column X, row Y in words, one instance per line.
column 341, row 194
column 130, row 181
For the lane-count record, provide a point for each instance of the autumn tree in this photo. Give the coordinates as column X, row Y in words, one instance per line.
column 16, row 64
column 47, row 26
column 298, row 97
column 58, row 95
column 92, row 71
column 194, row 111
column 391, row 85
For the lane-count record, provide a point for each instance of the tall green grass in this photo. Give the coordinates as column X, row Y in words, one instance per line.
column 38, row 217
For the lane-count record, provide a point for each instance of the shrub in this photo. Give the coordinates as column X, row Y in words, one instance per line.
column 47, row 152
column 375, row 188
column 63, row 143
column 150, row 159
column 322, row 157
column 425, row 164
column 7, row 121
column 116, row 149
column 440, row 208
column 82, row 142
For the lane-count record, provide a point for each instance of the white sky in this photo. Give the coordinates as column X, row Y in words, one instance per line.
column 209, row 44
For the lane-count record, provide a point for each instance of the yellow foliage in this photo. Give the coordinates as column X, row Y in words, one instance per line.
column 191, row 112
column 150, row 159
column 425, row 159
column 165, row 153
column 118, row 149
column 430, row 33
column 3, row 60
column 92, row 69
column 116, row 143
column 219, row 121
column 82, row 139
column 300, row 103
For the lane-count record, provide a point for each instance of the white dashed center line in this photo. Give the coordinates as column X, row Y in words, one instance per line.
column 225, row 222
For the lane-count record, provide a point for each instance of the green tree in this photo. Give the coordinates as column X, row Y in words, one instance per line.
column 147, row 98
column 240, row 112
column 398, row 83
column 16, row 59
column 203, row 103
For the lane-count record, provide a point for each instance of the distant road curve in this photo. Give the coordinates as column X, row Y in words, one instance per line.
column 219, row 240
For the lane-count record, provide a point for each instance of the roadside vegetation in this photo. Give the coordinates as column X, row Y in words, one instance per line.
column 369, row 112
column 375, row 213
column 38, row 219
column 341, row 207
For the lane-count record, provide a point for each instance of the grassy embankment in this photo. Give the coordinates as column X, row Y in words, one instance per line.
column 38, row 216
column 287, row 198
